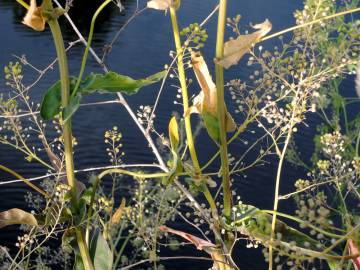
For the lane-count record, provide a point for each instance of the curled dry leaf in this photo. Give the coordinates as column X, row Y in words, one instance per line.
column 17, row 216
column 205, row 103
column 201, row 244
column 234, row 49
column 116, row 217
column 354, row 250
column 33, row 17
column 159, row 4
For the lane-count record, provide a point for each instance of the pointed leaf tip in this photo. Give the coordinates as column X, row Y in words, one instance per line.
column 174, row 133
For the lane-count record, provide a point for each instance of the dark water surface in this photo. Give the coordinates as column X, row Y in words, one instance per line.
column 142, row 49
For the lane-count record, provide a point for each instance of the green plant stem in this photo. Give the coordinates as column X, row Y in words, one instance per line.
column 357, row 145
column 185, row 99
column 184, row 91
column 221, row 110
column 88, row 44
column 298, row 220
column 84, row 251
column 290, row 29
column 276, row 198
column 67, row 133
column 24, row 4
column 65, row 93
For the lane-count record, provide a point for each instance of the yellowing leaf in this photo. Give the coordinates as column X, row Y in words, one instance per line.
column 234, row 49
column 159, row 4
column 33, row 17
column 205, row 103
column 174, row 133
column 115, row 219
column 16, row 216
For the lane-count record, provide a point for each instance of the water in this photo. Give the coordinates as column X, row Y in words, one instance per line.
column 141, row 50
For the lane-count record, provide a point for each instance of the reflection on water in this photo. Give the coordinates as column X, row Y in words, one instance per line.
column 142, row 49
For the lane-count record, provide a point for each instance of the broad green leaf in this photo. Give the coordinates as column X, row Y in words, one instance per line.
column 100, row 252
column 72, row 107
column 174, row 134
column 51, row 101
column 112, row 82
column 17, row 216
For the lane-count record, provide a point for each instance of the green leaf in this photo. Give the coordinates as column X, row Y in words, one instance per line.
column 51, row 101
column 72, row 107
column 333, row 265
column 100, row 252
column 212, row 125
column 17, row 216
column 174, row 142
column 112, row 82
column 79, row 265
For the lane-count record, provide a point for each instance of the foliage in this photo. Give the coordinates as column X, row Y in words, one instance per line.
column 297, row 80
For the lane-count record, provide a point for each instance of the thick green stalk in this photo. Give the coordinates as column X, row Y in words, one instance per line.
column 184, row 91
column 219, row 72
column 65, row 94
column 67, row 133
column 84, row 251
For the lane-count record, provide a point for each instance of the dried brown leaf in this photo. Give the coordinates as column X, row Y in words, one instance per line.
column 201, row 244
column 17, row 216
column 234, row 49
column 33, row 17
column 159, row 4
column 206, row 100
column 354, row 250
column 115, row 219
